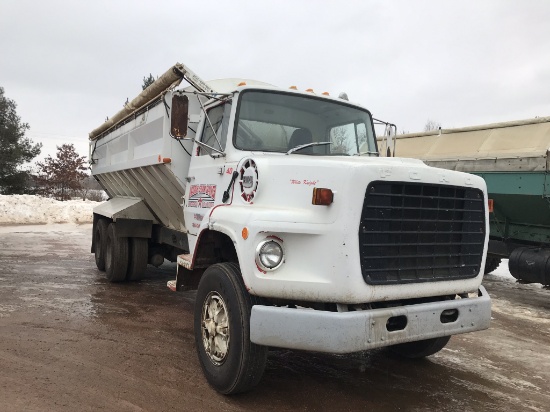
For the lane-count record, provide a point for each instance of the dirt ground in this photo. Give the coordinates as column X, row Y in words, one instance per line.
column 69, row 341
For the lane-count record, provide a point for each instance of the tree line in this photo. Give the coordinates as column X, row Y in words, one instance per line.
column 61, row 177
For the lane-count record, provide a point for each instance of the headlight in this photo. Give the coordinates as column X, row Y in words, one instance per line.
column 269, row 254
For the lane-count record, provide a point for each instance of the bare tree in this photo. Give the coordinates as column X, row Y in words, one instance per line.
column 90, row 189
column 361, row 137
column 59, row 177
column 340, row 142
column 432, row 125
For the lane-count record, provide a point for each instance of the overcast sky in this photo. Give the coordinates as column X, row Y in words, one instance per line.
column 70, row 64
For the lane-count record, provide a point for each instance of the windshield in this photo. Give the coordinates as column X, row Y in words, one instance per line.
column 279, row 122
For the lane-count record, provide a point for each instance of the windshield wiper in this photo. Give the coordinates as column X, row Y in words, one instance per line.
column 362, row 153
column 303, row 146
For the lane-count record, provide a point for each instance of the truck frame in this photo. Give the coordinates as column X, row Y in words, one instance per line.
column 278, row 209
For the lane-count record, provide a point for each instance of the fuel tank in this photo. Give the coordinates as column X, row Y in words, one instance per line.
column 530, row 264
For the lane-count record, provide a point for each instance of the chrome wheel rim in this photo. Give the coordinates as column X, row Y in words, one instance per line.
column 215, row 328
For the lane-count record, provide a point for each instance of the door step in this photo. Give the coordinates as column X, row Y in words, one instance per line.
column 171, row 285
column 185, row 261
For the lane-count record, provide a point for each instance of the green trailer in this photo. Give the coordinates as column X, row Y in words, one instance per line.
column 512, row 157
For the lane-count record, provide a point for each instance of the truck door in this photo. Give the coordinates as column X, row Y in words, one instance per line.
column 208, row 174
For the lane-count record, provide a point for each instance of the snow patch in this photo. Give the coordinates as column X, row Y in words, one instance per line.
column 503, row 272
column 30, row 209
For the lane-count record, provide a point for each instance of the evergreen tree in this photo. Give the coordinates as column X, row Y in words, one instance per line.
column 147, row 81
column 15, row 149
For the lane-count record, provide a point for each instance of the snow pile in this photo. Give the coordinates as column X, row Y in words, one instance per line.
column 502, row 271
column 29, row 209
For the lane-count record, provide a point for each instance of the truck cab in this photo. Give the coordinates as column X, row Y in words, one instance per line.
column 294, row 231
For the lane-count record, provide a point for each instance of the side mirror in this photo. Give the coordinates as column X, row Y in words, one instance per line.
column 179, row 116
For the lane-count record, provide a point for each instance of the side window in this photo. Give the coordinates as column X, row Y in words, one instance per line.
column 214, row 133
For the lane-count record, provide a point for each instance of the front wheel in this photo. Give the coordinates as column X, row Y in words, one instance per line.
column 230, row 362
column 421, row 348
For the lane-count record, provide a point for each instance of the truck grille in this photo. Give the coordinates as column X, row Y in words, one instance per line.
column 413, row 232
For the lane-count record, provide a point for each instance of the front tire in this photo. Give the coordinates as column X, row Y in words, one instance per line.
column 230, row 362
column 421, row 348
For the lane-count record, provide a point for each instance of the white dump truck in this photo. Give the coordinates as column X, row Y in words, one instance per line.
column 278, row 209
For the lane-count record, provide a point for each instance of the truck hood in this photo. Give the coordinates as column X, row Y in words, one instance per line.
column 283, row 184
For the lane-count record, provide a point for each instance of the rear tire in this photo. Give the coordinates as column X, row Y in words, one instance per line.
column 137, row 259
column 491, row 263
column 100, row 239
column 230, row 362
column 421, row 348
column 116, row 255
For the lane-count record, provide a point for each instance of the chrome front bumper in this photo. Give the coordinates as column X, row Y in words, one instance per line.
column 345, row 332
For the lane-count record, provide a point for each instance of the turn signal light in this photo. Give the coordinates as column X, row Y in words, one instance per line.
column 310, row 90
column 490, row 204
column 322, row 197
column 241, row 84
column 293, row 88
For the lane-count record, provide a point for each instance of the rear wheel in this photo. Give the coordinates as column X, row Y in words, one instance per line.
column 230, row 362
column 100, row 237
column 116, row 255
column 491, row 263
column 421, row 348
column 137, row 259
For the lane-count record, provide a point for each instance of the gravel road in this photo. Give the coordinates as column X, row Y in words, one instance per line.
column 69, row 341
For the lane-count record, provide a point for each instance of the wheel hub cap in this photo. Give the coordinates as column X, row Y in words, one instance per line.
column 215, row 328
